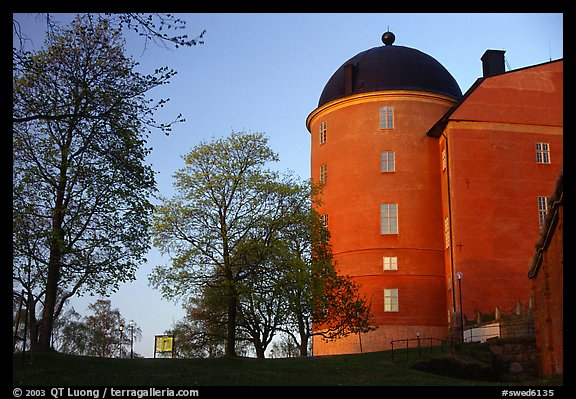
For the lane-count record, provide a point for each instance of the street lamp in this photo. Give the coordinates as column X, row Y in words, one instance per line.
column 131, row 326
column 459, row 276
column 121, row 328
column 359, row 331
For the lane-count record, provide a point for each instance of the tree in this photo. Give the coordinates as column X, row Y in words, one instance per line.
column 284, row 347
column 224, row 192
column 197, row 333
column 104, row 333
column 71, row 335
column 262, row 307
column 269, row 257
column 202, row 331
column 81, row 189
column 104, row 326
column 154, row 27
column 288, row 280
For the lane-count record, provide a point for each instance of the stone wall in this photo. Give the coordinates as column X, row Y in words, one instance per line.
column 515, row 359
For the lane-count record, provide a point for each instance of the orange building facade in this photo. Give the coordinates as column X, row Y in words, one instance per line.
column 411, row 170
column 503, row 146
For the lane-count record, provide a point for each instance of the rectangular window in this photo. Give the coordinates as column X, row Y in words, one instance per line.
column 444, row 159
column 322, row 132
column 387, row 117
column 323, row 173
column 542, row 209
column 447, row 231
column 542, row 153
column 391, row 299
column 387, row 162
column 390, row 262
column 324, row 218
column 389, row 219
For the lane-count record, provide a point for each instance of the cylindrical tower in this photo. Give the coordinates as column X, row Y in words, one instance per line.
column 382, row 199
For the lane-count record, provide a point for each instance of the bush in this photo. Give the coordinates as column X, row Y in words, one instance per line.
column 455, row 367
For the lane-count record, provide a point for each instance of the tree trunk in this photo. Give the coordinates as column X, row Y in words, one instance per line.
column 303, row 337
column 304, row 345
column 231, row 323
column 259, row 349
column 50, row 298
column 32, row 323
column 54, row 262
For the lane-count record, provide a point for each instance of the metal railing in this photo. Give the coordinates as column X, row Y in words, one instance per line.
column 424, row 345
column 471, row 334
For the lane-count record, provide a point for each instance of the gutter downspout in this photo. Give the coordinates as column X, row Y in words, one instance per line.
column 453, row 288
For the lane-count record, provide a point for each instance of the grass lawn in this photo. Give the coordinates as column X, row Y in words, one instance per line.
column 368, row 369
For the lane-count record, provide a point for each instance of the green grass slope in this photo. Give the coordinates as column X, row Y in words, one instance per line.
column 368, row 369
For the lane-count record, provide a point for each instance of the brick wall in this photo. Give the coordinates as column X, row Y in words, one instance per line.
column 548, row 294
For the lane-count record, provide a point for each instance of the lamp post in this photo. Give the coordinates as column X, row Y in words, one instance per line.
column 121, row 328
column 131, row 326
column 459, row 276
column 359, row 331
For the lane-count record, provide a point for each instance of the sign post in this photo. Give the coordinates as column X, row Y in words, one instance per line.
column 164, row 344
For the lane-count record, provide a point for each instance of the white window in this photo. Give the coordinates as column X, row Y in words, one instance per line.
column 324, row 219
column 391, row 299
column 322, row 132
column 542, row 153
column 387, row 117
column 444, row 159
column 388, row 218
column 323, row 173
column 390, row 262
column 387, row 161
column 447, row 231
column 542, row 209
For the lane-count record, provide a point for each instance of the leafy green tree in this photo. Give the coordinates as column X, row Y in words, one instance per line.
column 262, row 306
column 103, row 333
column 224, row 192
column 197, row 334
column 253, row 241
column 202, row 331
column 268, row 257
column 106, row 335
column 81, row 188
column 71, row 335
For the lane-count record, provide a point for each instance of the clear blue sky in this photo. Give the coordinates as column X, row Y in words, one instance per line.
column 265, row 72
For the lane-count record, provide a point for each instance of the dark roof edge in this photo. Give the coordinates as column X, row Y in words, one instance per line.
column 527, row 67
column 549, row 227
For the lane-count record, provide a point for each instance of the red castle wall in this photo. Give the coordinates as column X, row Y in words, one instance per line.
column 495, row 182
column 352, row 195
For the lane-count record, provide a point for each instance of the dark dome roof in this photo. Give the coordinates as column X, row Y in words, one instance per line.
column 390, row 68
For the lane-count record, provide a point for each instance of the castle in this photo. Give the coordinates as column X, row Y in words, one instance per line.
column 434, row 199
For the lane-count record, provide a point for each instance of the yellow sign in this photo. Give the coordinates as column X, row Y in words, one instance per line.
column 164, row 343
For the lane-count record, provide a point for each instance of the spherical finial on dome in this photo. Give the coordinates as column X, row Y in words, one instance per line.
column 388, row 38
